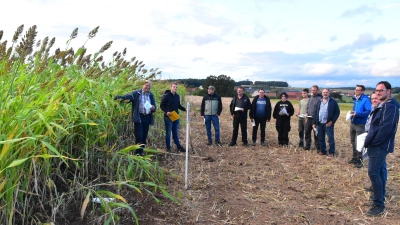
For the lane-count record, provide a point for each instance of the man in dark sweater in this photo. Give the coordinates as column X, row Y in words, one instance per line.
column 170, row 102
column 239, row 106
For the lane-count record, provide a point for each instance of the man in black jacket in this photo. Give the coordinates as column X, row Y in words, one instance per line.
column 239, row 106
column 171, row 102
column 211, row 108
column 260, row 114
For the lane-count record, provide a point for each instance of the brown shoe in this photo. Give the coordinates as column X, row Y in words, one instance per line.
column 330, row 156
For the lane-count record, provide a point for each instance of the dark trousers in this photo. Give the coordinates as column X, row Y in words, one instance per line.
column 307, row 135
column 355, row 130
column 283, row 128
column 242, row 121
column 376, row 173
column 301, row 129
column 262, row 122
column 141, row 130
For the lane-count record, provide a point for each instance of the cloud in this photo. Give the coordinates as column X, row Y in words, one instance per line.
column 205, row 39
column 260, row 30
column 197, row 59
column 319, row 69
column 142, row 41
column 362, row 10
column 333, row 38
column 386, row 68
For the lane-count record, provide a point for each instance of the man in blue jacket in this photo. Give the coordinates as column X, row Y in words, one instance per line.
column 143, row 107
column 326, row 113
column 379, row 142
column 361, row 110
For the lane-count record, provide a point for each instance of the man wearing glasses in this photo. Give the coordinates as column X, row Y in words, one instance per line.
column 361, row 110
column 379, row 142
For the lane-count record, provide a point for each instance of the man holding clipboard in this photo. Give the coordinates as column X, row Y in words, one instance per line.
column 170, row 104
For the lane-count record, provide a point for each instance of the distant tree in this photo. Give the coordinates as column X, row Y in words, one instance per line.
column 395, row 90
column 189, row 81
column 223, row 84
column 272, row 83
column 397, row 97
column 336, row 95
column 243, row 82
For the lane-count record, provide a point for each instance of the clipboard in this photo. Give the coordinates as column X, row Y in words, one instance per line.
column 173, row 116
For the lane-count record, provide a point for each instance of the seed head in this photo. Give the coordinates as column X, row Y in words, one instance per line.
column 99, row 59
column 105, row 47
column 124, row 52
column 93, row 32
column 51, row 44
column 74, row 33
column 115, row 53
column 133, row 59
column 17, row 33
column 1, row 34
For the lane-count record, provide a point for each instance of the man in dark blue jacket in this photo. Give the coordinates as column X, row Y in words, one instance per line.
column 239, row 107
column 170, row 102
column 143, row 107
column 326, row 113
column 379, row 142
column 359, row 116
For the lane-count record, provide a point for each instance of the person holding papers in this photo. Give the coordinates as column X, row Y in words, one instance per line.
column 239, row 106
column 359, row 116
column 282, row 112
column 301, row 113
column 311, row 105
column 143, row 107
column 170, row 103
column 380, row 142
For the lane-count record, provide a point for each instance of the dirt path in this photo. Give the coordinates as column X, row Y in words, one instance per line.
column 267, row 185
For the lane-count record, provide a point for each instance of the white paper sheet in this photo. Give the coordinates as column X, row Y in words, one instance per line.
column 238, row 109
column 348, row 115
column 147, row 107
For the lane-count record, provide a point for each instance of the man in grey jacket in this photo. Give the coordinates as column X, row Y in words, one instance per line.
column 311, row 106
column 211, row 108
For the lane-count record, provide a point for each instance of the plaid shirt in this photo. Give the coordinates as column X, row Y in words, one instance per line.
column 323, row 111
column 143, row 98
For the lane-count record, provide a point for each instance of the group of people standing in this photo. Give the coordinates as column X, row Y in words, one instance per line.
column 317, row 114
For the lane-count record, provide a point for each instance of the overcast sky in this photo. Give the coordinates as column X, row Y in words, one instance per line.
column 304, row 42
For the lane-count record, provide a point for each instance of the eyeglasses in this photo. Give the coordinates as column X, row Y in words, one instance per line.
column 381, row 90
column 358, row 90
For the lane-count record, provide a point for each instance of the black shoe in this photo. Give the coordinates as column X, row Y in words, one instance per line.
column 246, row 145
column 369, row 189
column 307, row 148
column 218, row 143
column 301, row 144
column 232, row 144
column 375, row 210
column 209, row 143
column 359, row 164
column 253, row 143
column 181, row 149
column 168, row 150
column 353, row 161
column 263, row 143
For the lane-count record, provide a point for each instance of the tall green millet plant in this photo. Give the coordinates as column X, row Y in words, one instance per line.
column 61, row 132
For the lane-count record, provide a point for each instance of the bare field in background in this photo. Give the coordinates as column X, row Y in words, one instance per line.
column 267, row 185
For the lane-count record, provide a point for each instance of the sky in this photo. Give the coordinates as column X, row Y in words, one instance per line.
column 337, row 43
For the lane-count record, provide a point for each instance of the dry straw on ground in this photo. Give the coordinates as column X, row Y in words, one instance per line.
column 267, row 185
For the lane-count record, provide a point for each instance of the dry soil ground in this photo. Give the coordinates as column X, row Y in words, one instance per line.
column 266, row 185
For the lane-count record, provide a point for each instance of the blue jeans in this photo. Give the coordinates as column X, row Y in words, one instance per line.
column 329, row 131
column 215, row 121
column 171, row 126
column 377, row 173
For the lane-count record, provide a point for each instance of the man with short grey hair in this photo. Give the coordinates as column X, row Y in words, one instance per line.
column 211, row 108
